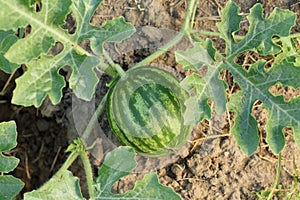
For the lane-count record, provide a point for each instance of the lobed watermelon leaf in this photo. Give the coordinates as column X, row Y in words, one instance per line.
column 62, row 186
column 254, row 82
column 8, row 38
column 42, row 77
column 260, row 31
column 209, row 86
column 119, row 163
column 8, row 135
column 290, row 51
column 9, row 185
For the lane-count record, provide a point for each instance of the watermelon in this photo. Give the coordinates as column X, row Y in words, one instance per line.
column 145, row 110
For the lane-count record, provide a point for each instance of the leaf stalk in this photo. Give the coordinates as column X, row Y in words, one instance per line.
column 240, row 37
column 71, row 158
column 94, row 118
column 117, row 67
column 276, row 178
column 88, row 173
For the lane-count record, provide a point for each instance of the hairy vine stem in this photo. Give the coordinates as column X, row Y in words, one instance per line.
column 276, row 178
column 88, row 173
column 94, row 118
column 117, row 67
column 71, row 158
column 239, row 37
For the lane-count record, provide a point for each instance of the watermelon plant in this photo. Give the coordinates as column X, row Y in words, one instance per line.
column 148, row 109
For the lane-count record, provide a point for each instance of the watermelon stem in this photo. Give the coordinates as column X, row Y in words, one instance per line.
column 241, row 37
column 189, row 16
column 71, row 158
column 88, row 173
column 78, row 148
column 276, row 178
column 94, row 119
column 185, row 31
column 114, row 65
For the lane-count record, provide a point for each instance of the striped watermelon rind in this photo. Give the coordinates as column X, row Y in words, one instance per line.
column 145, row 110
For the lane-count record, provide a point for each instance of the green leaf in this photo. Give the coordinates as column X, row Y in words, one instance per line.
column 261, row 30
column 150, row 188
column 111, row 171
column 205, row 87
column 42, row 79
column 114, row 30
column 8, row 135
column 256, row 81
column 42, row 76
column 230, row 23
column 10, row 187
column 119, row 163
column 8, row 164
column 282, row 113
column 198, row 56
column 290, row 51
column 7, row 38
column 245, row 126
column 255, row 85
column 197, row 107
column 44, row 27
column 62, row 186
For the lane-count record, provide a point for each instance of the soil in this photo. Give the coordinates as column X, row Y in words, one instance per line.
column 211, row 166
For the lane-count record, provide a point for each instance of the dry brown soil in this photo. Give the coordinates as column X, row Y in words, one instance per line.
column 211, row 167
